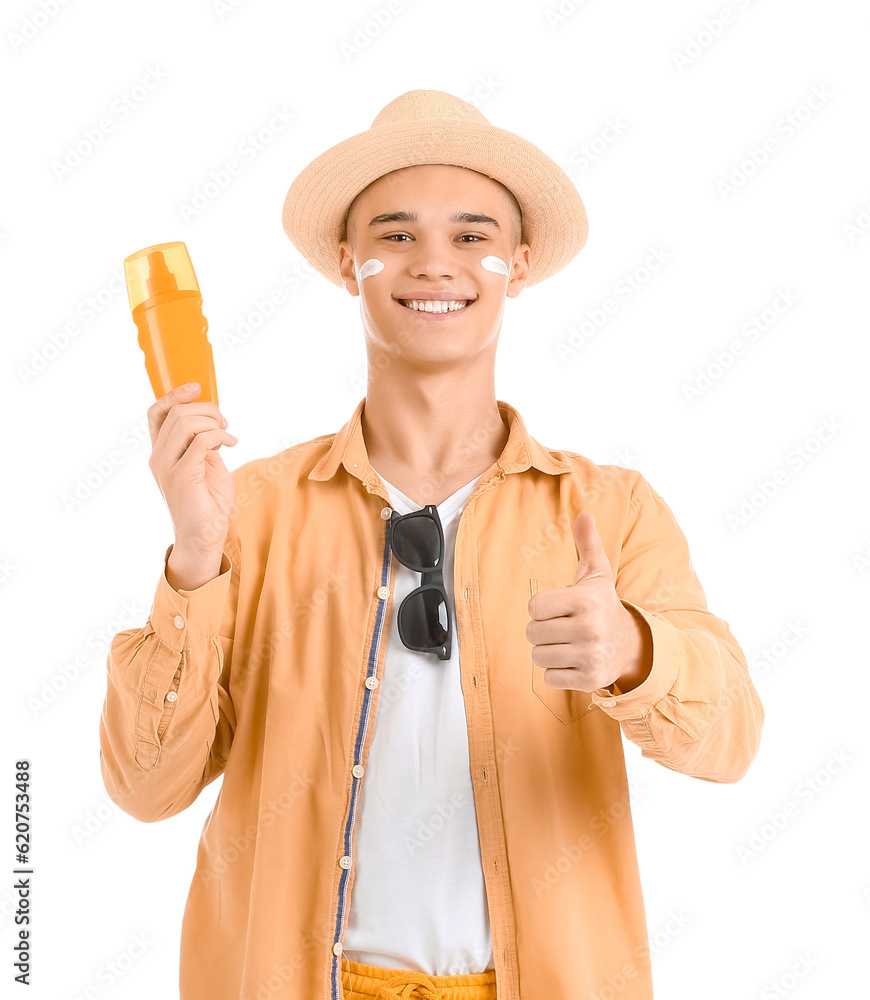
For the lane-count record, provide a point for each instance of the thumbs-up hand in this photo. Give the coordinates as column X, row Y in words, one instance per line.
column 582, row 635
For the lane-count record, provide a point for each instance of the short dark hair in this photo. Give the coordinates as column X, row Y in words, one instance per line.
column 516, row 214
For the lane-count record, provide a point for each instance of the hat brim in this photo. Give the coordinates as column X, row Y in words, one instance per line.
column 554, row 217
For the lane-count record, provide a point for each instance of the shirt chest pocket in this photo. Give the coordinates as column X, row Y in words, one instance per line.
column 566, row 705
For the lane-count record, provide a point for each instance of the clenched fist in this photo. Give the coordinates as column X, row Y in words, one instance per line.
column 582, row 635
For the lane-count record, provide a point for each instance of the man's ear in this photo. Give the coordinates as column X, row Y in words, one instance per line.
column 520, row 272
column 345, row 266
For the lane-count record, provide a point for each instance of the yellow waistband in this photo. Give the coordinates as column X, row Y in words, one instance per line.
column 364, row 982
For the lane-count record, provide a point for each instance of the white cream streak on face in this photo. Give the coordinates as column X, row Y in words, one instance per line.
column 371, row 266
column 494, row 264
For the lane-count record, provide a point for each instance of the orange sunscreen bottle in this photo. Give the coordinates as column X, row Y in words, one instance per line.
column 167, row 309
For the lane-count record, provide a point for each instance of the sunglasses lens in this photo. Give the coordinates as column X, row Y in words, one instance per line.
column 423, row 619
column 416, row 543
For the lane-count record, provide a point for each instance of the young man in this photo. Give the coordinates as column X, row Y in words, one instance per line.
column 424, row 789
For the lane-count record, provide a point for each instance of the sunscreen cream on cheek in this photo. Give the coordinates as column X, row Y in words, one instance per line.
column 494, row 264
column 371, row 266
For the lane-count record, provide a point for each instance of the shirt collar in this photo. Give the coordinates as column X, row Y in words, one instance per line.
column 520, row 452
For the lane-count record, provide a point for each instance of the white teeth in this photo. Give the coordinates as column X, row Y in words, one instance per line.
column 435, row 305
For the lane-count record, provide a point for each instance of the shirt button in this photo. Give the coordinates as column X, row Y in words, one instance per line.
column 358, row 770
column 171, row 695
column 337, row 948
column 179, row 621
column 371, row 683
column 383, row 592
column 386, row 513
column 345, row 862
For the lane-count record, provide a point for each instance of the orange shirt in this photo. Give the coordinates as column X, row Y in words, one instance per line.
column 268, row 675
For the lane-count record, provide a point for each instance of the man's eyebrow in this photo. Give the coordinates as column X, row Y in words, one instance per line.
column 466, row 217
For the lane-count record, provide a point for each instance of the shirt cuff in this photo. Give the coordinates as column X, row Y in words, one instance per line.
column 666, row 653
column 182, row 618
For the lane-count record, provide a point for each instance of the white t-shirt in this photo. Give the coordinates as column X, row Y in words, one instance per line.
column 419, row 899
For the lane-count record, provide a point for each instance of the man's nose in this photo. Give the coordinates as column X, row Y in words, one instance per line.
column 435, row 255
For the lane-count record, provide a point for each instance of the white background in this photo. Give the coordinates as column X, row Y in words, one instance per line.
column 690, row 100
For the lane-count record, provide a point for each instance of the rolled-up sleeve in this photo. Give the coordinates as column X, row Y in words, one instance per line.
column 697, row 711
column 167, row 721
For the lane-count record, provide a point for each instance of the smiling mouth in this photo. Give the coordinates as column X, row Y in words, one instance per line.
column 436, row 306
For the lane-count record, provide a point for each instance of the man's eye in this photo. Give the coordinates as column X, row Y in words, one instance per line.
column 464, row 236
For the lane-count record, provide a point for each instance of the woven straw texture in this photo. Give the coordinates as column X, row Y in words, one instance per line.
column 431, row 126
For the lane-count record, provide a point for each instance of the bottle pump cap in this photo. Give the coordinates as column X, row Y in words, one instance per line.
column 164, row 267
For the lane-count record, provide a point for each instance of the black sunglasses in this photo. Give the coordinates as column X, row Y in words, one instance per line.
column 417, row 539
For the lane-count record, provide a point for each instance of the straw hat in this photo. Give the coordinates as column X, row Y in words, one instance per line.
column 431, row 126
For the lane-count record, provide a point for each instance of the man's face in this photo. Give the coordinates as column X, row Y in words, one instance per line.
column 430, row 250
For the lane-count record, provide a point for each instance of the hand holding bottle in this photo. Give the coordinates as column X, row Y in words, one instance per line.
column 195, row 483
